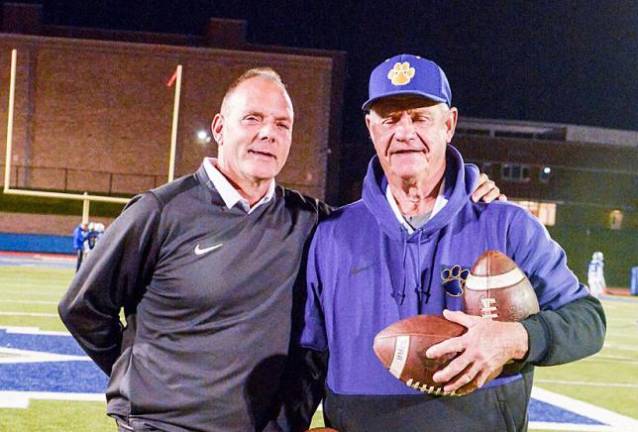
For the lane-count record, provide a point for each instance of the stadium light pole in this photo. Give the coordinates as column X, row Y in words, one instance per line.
column 178, row 91
column 12, row 85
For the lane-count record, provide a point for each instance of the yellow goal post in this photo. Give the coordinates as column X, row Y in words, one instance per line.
column 86, row 198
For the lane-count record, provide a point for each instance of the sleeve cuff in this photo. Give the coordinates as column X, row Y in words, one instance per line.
column 538, row 339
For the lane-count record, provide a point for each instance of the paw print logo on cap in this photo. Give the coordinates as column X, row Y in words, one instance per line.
column 401, row 73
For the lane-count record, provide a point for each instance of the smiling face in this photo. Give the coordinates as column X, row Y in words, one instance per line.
column 254, row 131
column 410, row 136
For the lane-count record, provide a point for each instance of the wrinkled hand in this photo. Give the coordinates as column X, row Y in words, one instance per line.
column 483, row 350
column 487, row 190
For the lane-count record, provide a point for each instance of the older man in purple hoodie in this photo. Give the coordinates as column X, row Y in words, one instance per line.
column 381, row 259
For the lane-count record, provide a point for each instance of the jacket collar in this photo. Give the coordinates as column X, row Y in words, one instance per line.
column 460, row 180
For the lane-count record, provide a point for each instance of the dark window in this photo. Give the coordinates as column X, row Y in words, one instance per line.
column 506, row 172
column 513, row 134
column 515, row 173
column 470, row 131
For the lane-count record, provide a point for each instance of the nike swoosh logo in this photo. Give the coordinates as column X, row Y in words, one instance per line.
column 200, row 251
column 356, row 270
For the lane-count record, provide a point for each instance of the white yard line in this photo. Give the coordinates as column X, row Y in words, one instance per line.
column 573, row 427
column 48, row 302
column 622, row 336
column 617, row 422
column 31, row 314
column 19, row 399
column 619, row 320
column 610, row 359
column 33, row 330
column 32, row 293
column 606, row 355
column 621, row 347
column 14, row 356
column 586, row 383
column 628, row 330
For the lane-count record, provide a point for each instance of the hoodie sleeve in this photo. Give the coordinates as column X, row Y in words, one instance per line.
column 302, row 387
column 313, row 333
column 113, row 277
column 571, row 324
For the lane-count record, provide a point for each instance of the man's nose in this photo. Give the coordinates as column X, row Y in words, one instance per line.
column 405, row 128
column 267, row 131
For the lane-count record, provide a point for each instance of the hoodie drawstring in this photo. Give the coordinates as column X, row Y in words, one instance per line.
column 399, row 296
column 422, row 291
column 417, row 270
column 429, row 271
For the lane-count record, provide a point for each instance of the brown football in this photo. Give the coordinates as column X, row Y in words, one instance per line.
column 497, row 288
column 401, row 349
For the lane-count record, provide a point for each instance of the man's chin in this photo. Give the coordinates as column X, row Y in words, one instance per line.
column 410, row 171
column 263, row 173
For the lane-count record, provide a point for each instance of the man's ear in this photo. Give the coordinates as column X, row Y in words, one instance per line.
column 368, row 123
column 450, row 123
column 216, row 128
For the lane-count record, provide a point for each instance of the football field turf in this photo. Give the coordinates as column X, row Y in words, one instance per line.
column 47, row 384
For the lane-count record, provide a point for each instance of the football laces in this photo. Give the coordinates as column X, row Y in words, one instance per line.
column 433, row 390
column 488, row 308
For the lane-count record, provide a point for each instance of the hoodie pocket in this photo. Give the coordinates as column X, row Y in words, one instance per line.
column 513, row 400
column 510, row 424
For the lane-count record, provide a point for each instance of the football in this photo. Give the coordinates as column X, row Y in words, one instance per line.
column 401, row 349
column 497, row 288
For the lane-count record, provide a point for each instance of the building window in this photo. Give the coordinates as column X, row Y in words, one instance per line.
column 514, row 134
column 515, row 173
column 470, row 131
column 615, row 219
column 486, row 167
column 544, row 211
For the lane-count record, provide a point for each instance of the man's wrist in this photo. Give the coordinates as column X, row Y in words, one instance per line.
column 521, row 341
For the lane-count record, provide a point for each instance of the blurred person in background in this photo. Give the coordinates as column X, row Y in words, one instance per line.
column 596, row 275
column 79, row 235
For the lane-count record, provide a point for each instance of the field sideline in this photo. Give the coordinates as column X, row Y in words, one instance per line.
column 47, row 384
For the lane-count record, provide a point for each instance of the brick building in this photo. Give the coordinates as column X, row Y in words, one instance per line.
column 581, row 181
column 93, row 111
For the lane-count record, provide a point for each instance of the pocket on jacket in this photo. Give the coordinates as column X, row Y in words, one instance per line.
column 513, row 400
column 507, row 417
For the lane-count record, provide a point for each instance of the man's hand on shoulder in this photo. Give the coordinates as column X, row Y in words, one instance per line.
column 483, row 351
column 487, row 191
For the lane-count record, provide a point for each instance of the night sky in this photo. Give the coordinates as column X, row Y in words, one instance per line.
column 561, row 61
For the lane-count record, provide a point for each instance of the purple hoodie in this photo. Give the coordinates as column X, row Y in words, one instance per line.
column 365, row 272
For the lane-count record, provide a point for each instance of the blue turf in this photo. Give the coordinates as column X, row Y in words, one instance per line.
column 545, row 412
column 85, row 377
column 66, row 377
column 44, row 243
column 45, row 343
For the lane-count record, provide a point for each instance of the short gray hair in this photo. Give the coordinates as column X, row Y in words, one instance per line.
column 261, row 72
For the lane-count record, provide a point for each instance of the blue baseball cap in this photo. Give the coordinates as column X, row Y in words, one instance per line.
column 407, row 74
